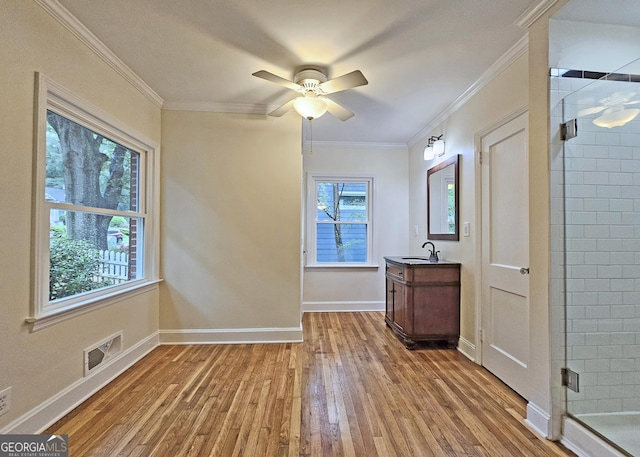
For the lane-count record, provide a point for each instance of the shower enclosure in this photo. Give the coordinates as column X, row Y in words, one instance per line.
column 601, row 202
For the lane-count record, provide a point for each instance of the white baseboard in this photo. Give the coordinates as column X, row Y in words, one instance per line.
column 584, row 443
column 232, row 336
column 538, row 420
column 342, row 306
column 56, row 407
column 467, row 348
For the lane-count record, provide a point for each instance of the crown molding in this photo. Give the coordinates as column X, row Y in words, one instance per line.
column 353, row 145
column 515, row 52
column 215, row 107
column 533, row 13
column 73, row 24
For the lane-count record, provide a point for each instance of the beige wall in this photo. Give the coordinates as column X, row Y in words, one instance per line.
column 503, row 96
column 230, row 221
column 362, row 288
column 539, row 229
column 39, row 365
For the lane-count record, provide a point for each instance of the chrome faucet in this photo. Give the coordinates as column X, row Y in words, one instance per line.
column 433, row 254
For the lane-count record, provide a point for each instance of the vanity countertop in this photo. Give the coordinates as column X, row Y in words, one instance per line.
column 418, row 260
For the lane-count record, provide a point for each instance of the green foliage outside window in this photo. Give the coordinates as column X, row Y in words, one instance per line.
column 73, row 266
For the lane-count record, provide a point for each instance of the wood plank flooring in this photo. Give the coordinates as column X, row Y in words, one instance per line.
column 351, row 389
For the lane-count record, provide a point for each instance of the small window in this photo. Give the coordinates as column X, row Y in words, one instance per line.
column 340, row 220
column 94, row 206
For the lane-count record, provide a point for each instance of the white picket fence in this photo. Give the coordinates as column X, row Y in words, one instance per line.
column 114, row 266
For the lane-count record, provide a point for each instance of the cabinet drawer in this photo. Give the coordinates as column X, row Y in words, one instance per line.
column 435, row 274
column 396, row 271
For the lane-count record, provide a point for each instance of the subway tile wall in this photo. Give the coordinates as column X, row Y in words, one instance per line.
column 595, row 191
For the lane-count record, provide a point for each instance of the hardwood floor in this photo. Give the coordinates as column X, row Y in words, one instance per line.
column 351, row 389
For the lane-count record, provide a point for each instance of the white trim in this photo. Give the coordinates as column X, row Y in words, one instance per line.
column 232, row 336
column 71, row 23
column 56, row 407
column 342, row 266
column 217, row 107
column 353, row 145
column 516, row 51
column 532, row 14
column 342, row 306
column 63, row 314
column 311, row 180
column 50, row 95
column 584, row 443
column 538, row 420
column 467, row 348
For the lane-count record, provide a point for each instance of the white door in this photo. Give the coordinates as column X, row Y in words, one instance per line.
column 505, row 254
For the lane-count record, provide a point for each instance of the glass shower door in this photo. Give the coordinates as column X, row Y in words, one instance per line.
column 602, row 254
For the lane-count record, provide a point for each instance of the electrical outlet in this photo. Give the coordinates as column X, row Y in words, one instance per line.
column 5, row 401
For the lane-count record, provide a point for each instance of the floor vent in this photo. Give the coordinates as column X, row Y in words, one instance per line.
column 102, row 352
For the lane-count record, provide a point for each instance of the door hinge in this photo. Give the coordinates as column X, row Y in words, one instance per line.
column 569, row 130
column 570, row 379
column 481, row 335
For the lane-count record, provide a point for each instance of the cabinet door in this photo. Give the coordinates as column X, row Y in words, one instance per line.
column 400, row 314
column 389, row 299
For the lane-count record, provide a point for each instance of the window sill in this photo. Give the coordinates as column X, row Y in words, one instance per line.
column 53, row 317
column 344, row 266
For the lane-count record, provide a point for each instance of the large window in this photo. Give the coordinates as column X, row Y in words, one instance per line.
column 94, row 217
column 340, row 229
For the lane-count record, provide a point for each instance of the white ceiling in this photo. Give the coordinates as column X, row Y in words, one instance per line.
column 616, row 12
column 418, row 55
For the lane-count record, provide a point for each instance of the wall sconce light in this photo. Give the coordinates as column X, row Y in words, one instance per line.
column 310, row 106
column 434, row 148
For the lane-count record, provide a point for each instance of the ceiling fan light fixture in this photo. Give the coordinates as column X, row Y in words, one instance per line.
column 310, row 106
column 616, row 118
column 313, row 86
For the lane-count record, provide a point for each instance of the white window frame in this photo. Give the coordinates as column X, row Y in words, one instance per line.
column 52, row 96
column 310, row 252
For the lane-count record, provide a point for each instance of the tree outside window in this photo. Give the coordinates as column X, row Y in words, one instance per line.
column 96, row 210
column 342, row 221
column 91, row 189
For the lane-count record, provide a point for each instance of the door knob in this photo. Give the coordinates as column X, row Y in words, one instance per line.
column 524, row 271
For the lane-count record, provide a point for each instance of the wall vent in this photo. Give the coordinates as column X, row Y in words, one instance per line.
column 101, row 352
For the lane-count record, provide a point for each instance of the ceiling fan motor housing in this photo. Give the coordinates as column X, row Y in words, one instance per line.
column 310, row 79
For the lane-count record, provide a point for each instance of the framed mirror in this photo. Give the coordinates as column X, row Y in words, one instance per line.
column 443, row 195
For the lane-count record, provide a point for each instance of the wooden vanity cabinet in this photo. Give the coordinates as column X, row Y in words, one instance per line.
column 423, row 301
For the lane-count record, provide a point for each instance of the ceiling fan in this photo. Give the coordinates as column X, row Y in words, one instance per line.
column 614, row 113
column 313, row 86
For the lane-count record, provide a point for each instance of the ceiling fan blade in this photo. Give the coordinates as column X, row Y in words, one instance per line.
column 344, row 82
column 282, row 109
column 277, row 79
column 337, row 110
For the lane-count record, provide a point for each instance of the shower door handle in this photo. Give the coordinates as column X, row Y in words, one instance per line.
column 524, row 271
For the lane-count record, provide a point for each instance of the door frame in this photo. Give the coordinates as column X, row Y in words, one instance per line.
column 477, row 238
